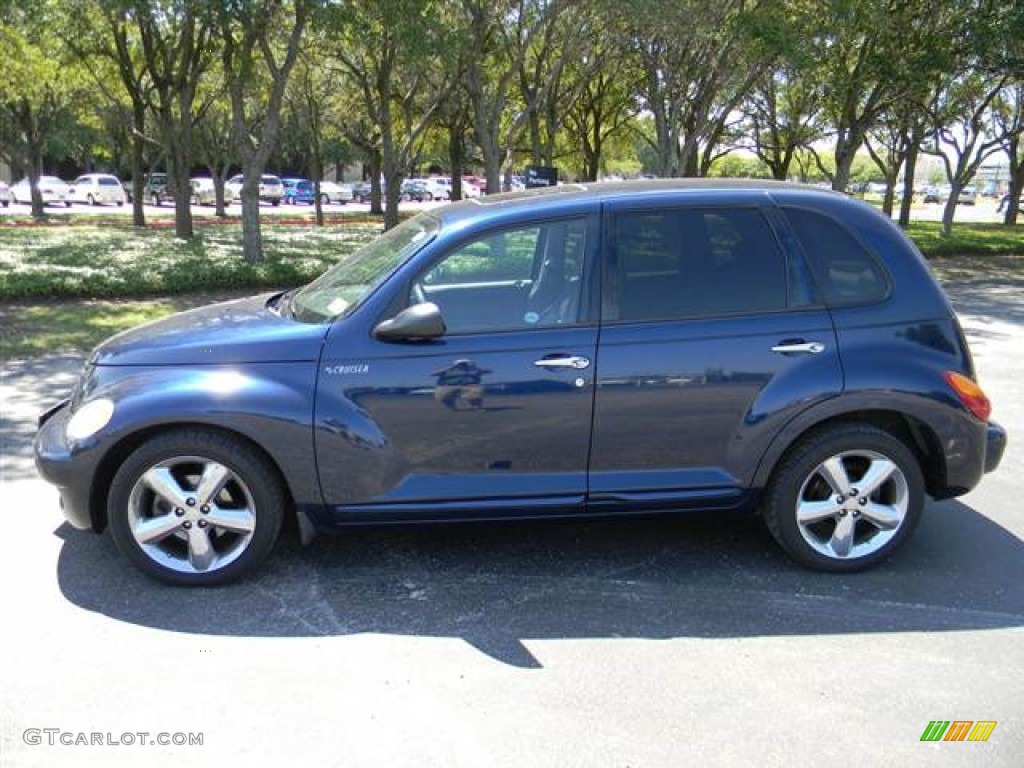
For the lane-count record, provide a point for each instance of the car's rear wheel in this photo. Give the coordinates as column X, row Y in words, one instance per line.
column 845, row 498
column 195, row 507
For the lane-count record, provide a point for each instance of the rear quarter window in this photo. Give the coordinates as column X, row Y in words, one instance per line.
column 844, row 269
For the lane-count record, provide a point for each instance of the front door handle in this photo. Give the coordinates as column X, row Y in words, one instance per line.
column 564, row 361
column 799, row 347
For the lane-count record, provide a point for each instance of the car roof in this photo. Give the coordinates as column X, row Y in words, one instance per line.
column 653, row 190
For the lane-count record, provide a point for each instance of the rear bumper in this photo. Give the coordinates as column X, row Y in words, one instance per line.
column 995, row 444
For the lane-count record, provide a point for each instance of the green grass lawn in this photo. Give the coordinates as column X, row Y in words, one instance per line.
column 97, row 261
column 31, row 329
column 974, row 239
column 68, row 287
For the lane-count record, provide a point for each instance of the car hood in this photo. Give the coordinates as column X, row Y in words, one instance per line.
column 247, row 330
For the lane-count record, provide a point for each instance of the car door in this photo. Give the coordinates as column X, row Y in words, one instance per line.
column 490, row 420
column 713, row 338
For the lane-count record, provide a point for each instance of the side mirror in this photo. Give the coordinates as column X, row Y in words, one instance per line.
column 420, row 322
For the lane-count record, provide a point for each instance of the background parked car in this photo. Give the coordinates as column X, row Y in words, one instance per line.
column 52, row 189
column 298, row 191
column 416, row 190
column 5, row 194
column 473, row 186
column 271, row 188
column 204, row 193
column 331, row 192
column 158, row 189
column 440, row 187
column 968, row 196
column 97, row 188
column 361, row 192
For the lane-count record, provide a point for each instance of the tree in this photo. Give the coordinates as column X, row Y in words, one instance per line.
column 870, row 55
column 177, row 41
column 40, row 88
column 784, row 115
column 394, row 52
column 311, row 115
column 260, row 45
column 1009, row 116
column 102, row 35
column 552, row 73
column 965, row 131
column 214, row 145
column 497, row 38
column 604, row 106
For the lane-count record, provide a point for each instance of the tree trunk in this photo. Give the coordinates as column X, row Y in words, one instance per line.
column 219, row 209
column 34, row 172
column 950, row 210
column 393, row 179
column 890, row 192
column 1016, row 181
column 252, row 237
column 456, row 152
column 317, row 168
column 910, row 170
column 845, row 152
column 177, row 179
column 138, row 162
column 1013, row 204
column 375, row 191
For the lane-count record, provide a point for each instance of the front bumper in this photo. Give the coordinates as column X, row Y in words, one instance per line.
column 70, row 467
column 995, row 444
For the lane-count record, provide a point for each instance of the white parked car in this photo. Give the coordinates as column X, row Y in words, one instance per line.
column 52, row 189
column 435, row 186
column 202, row 192
column 97, row 188
column 5, row 194
column 271, row 188
column 332, row 192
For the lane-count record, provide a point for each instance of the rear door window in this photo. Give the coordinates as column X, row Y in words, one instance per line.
column 698, row 262
column 847, row 273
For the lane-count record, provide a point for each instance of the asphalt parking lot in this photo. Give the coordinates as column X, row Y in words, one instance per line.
column 663, row 642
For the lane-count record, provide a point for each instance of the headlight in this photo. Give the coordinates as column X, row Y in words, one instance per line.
column 90, row 418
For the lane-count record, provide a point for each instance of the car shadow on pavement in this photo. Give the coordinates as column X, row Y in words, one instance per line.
column 498, row 585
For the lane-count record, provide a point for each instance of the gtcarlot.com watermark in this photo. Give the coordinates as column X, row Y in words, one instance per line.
column 56, row 736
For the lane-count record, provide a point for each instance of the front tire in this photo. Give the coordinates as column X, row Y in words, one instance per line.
column 195, row 507
column 844, row 499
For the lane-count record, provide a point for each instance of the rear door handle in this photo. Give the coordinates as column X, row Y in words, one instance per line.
column 563, row 361
column 799, row 347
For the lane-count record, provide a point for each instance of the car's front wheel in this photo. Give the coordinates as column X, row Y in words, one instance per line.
column 195, row 507
column 845, row 498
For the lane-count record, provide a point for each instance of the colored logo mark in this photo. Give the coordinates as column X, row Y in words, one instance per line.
column 958, row 730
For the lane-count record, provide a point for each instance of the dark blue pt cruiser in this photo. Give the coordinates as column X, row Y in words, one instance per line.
column 592, row 350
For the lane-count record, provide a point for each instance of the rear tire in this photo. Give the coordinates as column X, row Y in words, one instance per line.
column 845, row 498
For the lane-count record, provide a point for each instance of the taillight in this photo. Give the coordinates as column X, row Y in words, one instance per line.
column 970, row 395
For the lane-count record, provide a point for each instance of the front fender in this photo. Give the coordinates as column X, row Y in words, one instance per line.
column 271, row 404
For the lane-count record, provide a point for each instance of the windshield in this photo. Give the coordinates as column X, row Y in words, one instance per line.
column 345, row 285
